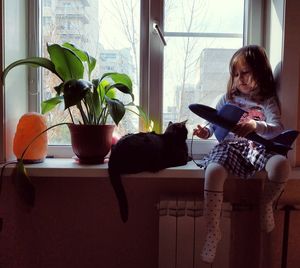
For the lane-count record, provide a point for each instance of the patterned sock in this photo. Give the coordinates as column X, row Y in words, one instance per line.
column 272, row 191
column 212, row 212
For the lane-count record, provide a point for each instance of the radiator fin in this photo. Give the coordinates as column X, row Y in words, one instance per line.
column 182, row 233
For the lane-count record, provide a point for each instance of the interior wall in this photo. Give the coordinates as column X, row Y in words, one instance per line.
column 76, row 223
column 2, row 107
column 289, row 93
column 281, row 40
column 15, row 48
column 273, row 40
column 273, row 37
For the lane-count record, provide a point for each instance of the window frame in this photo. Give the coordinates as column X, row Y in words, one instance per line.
column 151, row 63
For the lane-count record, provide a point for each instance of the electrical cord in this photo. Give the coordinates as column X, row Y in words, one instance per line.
column 192, row 141
column 191, row 152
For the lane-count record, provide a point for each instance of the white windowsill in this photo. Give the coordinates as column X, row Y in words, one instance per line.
column 68, row 167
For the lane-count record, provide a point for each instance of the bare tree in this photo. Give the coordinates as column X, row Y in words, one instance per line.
column 190, row 54
column 125, row 13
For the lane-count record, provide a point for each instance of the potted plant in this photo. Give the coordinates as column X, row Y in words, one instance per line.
column 95, row 100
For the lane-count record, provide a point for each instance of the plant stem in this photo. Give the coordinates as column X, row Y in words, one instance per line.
column 71, row 115
column 84, row 118
column 93, row 110
column 145, row 118
column 88, row 111
column 101, row 116
column 133, row 111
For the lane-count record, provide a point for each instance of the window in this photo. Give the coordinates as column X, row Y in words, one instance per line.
column 47, row 3
column 104, row 30
column 201, row 36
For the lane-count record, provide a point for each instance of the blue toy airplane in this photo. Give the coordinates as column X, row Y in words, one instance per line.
column 229, row 115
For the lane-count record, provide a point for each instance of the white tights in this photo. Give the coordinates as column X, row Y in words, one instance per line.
column 215, row 176
column 278, row 169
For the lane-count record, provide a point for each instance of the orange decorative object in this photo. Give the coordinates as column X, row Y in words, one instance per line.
column 30, row 126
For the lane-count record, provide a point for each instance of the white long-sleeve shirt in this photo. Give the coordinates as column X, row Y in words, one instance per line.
column 266, row 114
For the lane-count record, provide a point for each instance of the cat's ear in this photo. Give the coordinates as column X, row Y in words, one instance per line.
column 184, row 122
column 170, row 123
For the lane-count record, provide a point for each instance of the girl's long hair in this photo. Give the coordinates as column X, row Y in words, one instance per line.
column 255, row 57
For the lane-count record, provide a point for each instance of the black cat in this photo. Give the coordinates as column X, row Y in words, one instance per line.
column 152, row 152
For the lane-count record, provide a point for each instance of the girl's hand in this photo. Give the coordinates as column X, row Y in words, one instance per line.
column 201, row 132
column 244, row 127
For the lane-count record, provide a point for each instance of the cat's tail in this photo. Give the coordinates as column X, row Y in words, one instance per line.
column 116, row 182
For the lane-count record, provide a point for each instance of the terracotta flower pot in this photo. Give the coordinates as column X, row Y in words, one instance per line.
column 91, row 143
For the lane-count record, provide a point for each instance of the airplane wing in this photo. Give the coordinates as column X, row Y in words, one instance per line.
column 227, row 117
column 223, row 120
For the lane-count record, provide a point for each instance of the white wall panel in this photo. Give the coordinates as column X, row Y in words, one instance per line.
column 15, row 47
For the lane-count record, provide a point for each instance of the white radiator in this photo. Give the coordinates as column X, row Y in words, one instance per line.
column 182, row 232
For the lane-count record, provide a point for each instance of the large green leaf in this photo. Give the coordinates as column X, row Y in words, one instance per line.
column 118, row 78
column 33, row 62
column 50, row 104
column 21, row 180
column 122, row 88
column 75, row 91
column 121, row 82
column 96, row 82
column 104, row 89
column 110, row 91
column 116, row 109
column 23, row 184
column 84, row 56
column 67, row 63
column 59, row 89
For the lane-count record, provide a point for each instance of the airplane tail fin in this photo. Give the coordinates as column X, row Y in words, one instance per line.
column 287, row 137
column 282, row 143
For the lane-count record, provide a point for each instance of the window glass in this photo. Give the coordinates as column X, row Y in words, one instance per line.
column 47, row 3
column 109, row 31
column 201, row 38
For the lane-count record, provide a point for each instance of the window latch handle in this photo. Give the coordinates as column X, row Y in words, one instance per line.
column 160, row 34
